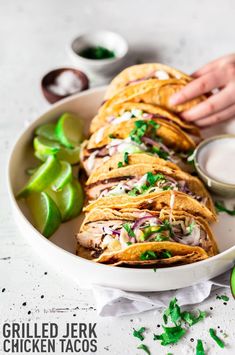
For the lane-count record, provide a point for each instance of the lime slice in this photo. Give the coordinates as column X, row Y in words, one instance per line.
column 72, row 156
column 47, row 131
column 232, row 282
column 69, row 130
column 42, row 178
column 45, row 213
column 64, row 176
column 31, row 171
column 69, row 200
column 45, row 147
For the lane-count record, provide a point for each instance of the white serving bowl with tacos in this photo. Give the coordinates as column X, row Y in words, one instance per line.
column 60, row 249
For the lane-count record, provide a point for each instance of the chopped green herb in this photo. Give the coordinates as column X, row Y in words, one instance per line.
column 216, row 339
column 148, row 255
column 221, row 208
column 191, row 319
column 112, row 136
column 171, row 335
column 223, row 297
column 128, row 243
column 127, row 227
column 173, row 311
column 145, row 348
column 97, row 52
column 199, row 348
column 139, row 333
column 190, row 227
column 161, row 153
column 167, row 188
column 154, row 269
column 166, row 254
column 161, row 238
column 133, row 192
column 138, row 132
column 154, row 124
column 125, row 158
column 120, row 164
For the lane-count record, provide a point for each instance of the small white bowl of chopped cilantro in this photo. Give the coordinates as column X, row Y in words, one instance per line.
column 100, row 52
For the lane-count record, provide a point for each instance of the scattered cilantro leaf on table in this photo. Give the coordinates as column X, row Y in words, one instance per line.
column 171, row 335
column 216, row 338
column 144, row 348
column 199, row 348
column 191, row 319
column 139, row 333
column 223, row 297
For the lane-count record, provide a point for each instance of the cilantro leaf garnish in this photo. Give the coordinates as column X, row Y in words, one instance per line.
column 125, row 157
column 148, row 255
column 154, row 269
column 223, row 297
column 173, row 311
column 220, row 207
column 166, row 254
column 133, row 192
column 127, row 227
column 144, row 348
column 199, row 348
column 161, row 153
column 125, row 160
column 171, row 335
column 143, row 127
column 139, row 333
column 120, row 164
column 112, row 136
column 190, row 227
column 128, row 243
column 191, row 319
column 216, row 338
column 161, row 238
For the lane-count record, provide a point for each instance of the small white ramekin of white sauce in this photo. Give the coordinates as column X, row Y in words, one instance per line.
column 215, row 164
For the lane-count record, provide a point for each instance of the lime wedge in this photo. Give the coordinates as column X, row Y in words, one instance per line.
column 45, row 147
column 31, row 171
column 69, row 130
column 72, row 156
column 69, row 200
column 42, row 178
column 45, row 213
column 64, row 176
column 232, row 282
column 47, row 131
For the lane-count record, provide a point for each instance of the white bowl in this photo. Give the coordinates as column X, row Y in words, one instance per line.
column 59, row 250
column 106, row 39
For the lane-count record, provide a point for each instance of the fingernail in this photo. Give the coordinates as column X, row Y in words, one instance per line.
column 174, row 99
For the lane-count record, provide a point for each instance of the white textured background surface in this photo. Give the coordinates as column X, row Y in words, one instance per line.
column 33, row 39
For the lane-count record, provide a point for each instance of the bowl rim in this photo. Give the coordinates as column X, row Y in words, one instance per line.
column 200, row 169
column 99, row 61
column 16, row 207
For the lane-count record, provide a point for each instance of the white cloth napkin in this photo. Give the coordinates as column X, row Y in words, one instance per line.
column 112, row 302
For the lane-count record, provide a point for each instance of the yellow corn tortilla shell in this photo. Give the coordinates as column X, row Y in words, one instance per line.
column 139, row 170
column 102, row 119
column 133, row 159
column 170, row 133
column 130, row 256
column 155, row 201
column 139, row 72
column 154, row 92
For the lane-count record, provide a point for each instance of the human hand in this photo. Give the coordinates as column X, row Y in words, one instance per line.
column 219, row 74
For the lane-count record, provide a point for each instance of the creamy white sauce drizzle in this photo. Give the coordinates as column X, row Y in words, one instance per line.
column 99, row 135
column 217, row 160
column 161, row 75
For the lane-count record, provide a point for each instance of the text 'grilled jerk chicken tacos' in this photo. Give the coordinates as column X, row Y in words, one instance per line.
column 144, row 238
column 137, row 135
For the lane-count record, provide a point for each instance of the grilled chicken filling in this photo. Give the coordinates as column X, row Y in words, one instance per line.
column 115, row 235
column 135, row 186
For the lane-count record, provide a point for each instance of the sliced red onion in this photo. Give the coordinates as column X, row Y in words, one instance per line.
column 140, row 221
